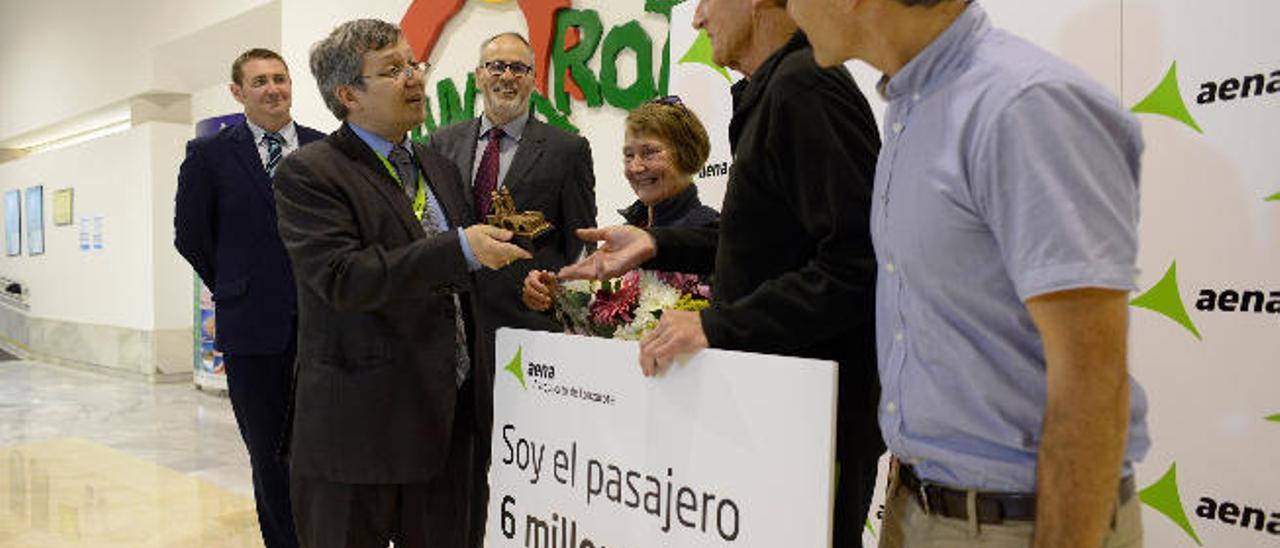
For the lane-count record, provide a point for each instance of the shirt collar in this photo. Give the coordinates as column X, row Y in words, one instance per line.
column 514, row 129
column 289, row 132
column 949, row 52
column 377, row 142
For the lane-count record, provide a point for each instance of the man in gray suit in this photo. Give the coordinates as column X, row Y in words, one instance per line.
column 545, row 169
column 384, row 422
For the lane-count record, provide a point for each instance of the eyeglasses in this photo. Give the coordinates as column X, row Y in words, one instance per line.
column 397, row 72
column 645, row 154
column 669, row 100
column 496, row 68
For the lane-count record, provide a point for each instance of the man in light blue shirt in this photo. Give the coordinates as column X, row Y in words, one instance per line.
column 1005, row 225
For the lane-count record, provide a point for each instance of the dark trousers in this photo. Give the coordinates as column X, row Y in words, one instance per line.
column 853, row 500
column 261, row 388
column 431, row 514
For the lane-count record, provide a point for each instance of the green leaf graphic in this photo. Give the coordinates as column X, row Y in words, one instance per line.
column 515, row 367
column 1163, row 497
column 1274, row 418
column 1164, row 298
column 700, row 52
column 663, row 7
column 1274, row 197
column 1166, row 100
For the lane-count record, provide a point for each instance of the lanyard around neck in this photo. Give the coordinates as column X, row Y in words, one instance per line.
column 419, row 201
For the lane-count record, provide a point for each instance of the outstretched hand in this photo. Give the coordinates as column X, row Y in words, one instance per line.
column 623, row 248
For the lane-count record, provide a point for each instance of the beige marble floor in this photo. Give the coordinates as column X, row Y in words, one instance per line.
column 91, row 460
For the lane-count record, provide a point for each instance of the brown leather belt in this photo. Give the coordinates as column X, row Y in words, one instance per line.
column 992, row 508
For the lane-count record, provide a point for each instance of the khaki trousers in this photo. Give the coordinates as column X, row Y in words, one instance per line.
column 906, row 525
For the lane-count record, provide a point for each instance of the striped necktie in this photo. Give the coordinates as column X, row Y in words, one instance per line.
column 275, row 150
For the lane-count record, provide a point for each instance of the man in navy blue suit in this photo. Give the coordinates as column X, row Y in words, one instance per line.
column 225, row 226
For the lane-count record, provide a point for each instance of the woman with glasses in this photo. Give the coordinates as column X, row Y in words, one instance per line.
column 664, row 146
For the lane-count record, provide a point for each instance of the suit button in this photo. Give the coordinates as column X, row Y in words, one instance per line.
column 447, row 312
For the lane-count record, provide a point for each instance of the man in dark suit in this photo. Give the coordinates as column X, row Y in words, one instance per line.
column 794, row 267
column 545, row 169
column 225, row 226
column 384, row 407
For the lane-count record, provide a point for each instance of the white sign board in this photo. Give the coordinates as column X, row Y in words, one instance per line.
column 730, row 449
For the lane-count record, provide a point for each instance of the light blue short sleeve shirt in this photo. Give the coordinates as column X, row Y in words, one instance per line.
column 1005, row 174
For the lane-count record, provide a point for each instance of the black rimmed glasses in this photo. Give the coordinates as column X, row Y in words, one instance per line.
column 397, row 72
column 496, row 68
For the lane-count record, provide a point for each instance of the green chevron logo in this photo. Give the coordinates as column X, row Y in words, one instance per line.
column 516, row 367
column 1274, row 197
column 1163, row 497
column 1166, row 100
column 1164, row 299
column 700, row 52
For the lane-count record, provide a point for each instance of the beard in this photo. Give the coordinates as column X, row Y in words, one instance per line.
column 498, row 106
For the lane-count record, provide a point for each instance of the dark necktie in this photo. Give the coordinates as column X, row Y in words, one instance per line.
column 487, row 174
column 407, row 171
column 275, row 150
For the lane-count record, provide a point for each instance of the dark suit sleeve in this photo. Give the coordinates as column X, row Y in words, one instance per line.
column 194, row 214
column 685, row 249
column 319, row 226
column 821, row 155
column 578, row 202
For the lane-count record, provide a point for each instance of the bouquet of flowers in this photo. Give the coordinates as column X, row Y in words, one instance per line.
column 627, row 307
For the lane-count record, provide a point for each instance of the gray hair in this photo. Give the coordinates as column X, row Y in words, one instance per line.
column 338, row 60
column 515, row 35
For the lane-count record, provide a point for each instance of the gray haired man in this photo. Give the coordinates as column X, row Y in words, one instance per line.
column 384, row 420
column 1005, row 226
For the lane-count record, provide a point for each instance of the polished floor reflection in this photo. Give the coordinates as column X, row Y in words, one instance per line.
column 90, row 460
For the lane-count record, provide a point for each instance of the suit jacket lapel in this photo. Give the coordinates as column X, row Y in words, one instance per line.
column 306, row 134
column 246, row 152
column 527, row 154
column 463, row 154
column 457, row 210
column 378, row 178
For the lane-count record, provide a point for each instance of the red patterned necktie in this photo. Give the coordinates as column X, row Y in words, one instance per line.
column 487, row 174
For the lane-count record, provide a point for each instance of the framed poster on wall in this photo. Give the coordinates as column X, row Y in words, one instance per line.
column 12, row 223
column 35, row 220
column 63, row 206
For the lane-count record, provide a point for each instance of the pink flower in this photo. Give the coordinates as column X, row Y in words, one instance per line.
column 687, row 284
column 614, row 307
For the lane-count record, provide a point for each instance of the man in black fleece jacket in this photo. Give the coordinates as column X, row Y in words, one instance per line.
column 792, row 257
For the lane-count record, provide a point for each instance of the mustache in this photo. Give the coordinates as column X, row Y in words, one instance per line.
column 503, row 86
